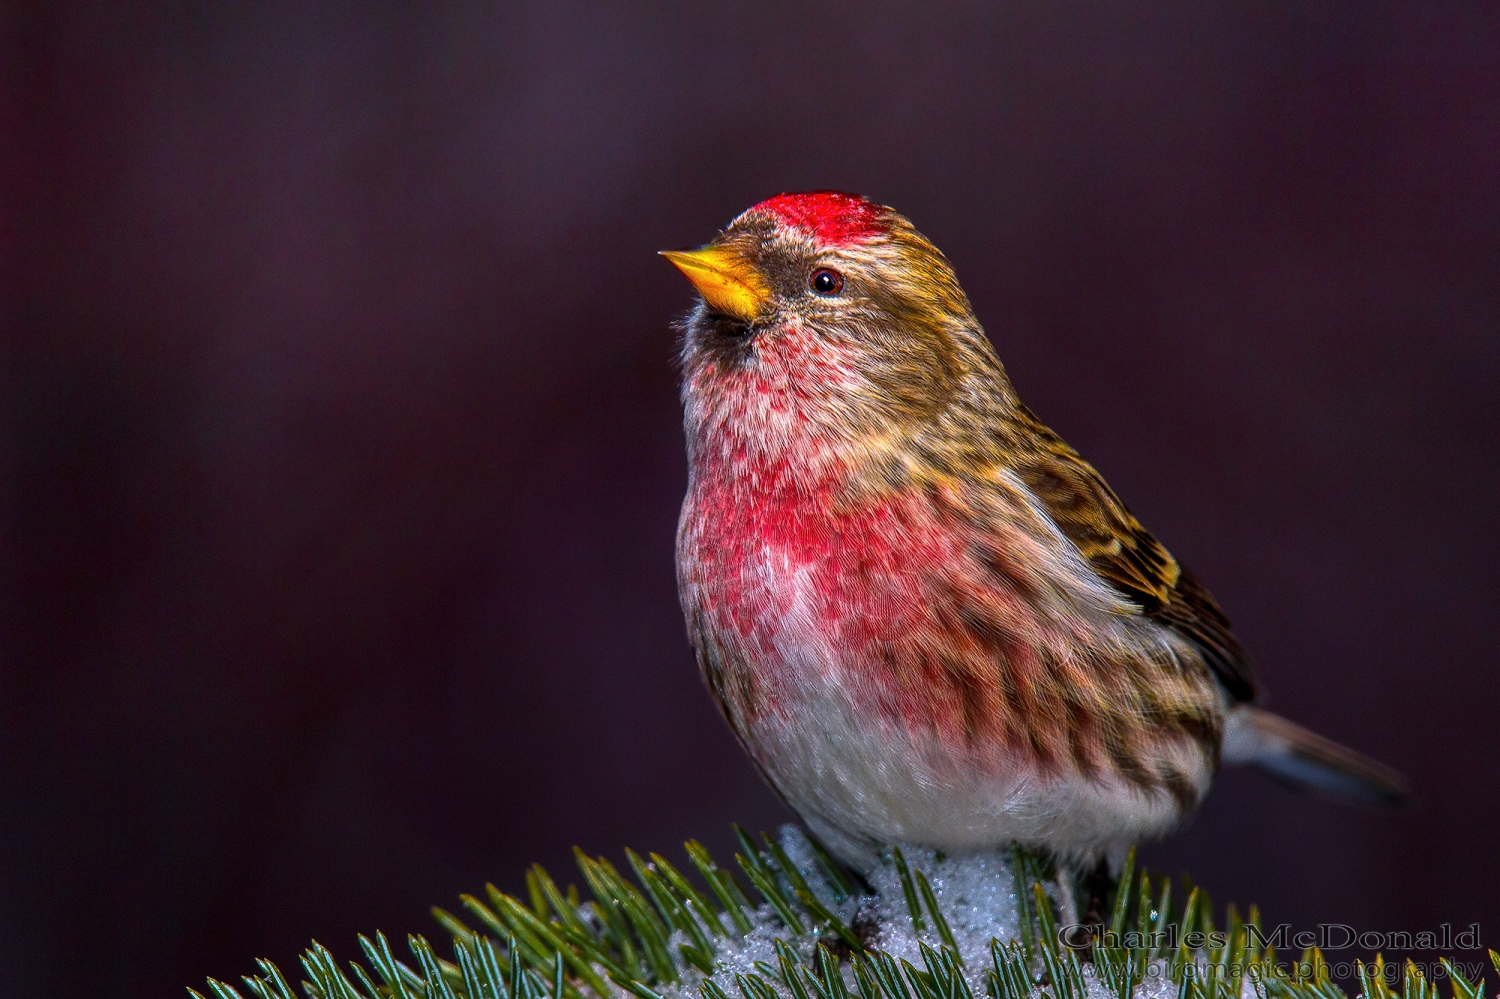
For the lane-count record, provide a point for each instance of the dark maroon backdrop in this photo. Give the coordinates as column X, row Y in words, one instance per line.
column 341, row 449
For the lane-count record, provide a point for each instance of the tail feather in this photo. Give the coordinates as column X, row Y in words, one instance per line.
column 1301, row 759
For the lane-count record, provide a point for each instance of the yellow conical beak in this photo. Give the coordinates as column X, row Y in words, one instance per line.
column 726, row 280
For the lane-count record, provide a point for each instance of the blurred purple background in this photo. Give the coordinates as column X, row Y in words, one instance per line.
column 342, row 457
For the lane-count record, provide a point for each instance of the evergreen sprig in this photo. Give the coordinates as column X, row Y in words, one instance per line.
column 660, row 932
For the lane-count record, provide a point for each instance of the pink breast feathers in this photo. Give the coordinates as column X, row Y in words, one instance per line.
column 806, row 596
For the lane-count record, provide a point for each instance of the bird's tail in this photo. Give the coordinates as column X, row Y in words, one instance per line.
column 1295, row 757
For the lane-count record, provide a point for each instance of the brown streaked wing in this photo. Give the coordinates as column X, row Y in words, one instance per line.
column 1193, row 613
column 1124, row 553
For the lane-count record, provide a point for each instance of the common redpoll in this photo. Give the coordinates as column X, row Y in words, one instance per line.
column 927, row 619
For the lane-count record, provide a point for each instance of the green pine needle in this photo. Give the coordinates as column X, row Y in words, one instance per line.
column 924, row 888
column 637, row 937
column 909, row 890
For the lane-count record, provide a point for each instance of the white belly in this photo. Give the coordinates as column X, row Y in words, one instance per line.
column 861, row 781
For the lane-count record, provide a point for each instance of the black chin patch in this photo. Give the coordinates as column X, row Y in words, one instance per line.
column 728, row 327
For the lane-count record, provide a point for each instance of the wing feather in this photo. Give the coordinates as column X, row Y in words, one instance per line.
column 1125, row 554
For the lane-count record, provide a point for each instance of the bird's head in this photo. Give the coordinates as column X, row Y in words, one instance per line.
column 823, row 315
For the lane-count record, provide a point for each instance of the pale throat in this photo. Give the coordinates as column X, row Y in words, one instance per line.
column 767, row 444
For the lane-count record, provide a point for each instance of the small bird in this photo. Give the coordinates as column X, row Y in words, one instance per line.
column 927, row 619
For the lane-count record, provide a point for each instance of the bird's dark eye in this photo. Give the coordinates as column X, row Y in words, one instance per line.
column 826, row 281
